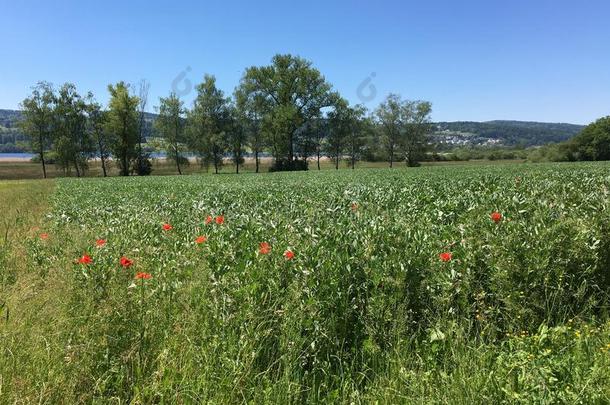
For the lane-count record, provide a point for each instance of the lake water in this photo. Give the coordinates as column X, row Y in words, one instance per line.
column 16, row 155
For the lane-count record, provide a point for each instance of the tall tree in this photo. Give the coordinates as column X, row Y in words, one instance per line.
column 355, row 139
column 418, row 127
column 311, row 138
column 390, row 116
column 96, row 122
column 38, row 119
column 71, row 140
column 251, row 108
column 170, row 124
column 339, row 127
column 122, row 124
column 237, row 134
column 207, row 121
column 345, row 135
column 318, row 133
column 292, row 93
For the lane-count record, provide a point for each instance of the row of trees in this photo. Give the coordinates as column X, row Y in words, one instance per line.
column 286, row 109
column 77, row 128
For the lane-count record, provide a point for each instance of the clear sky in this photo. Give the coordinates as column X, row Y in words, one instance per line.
column 480, row 60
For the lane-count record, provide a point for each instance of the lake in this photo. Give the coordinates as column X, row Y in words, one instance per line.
column 15, row 156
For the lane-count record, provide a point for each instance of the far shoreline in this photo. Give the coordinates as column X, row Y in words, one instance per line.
column 14, row 159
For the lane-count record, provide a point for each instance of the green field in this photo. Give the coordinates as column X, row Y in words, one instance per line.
column 365, row 312
column 29, row 170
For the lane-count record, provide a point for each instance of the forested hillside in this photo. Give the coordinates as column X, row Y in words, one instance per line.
column 509, row 133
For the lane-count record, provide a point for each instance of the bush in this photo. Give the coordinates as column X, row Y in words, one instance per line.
column 285, row 165
column 142, row 166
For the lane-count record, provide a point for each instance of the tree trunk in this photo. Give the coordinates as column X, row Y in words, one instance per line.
column 318, row 158
column 140, row 155
column 391, row 156
column 256, row 160
column 337, row 161
column 77, row 169
column 125, row 168
column 103, row 164
column 44, row 168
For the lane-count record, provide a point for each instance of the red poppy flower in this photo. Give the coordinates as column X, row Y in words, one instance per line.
column 208, row 220
column 125, row 262
column 445, row 256
column 354, row 207
column 289, row 254
column 264, row 248
column 85, row 259
column 143, row 276
column 100, row 242
column 496, row 217
column 167, row 227
column 220, row 219
column 44, row 236
column 201, row 239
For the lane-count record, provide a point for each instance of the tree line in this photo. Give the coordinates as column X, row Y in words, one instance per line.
column 592, row 143
column 286, row 109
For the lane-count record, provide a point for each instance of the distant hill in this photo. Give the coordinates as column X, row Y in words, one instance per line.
column 11, row 139
column 450, row 134
column 508, row 133
column 9, row 118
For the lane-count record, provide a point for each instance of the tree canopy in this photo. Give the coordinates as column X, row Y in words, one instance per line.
column 289, row 94
column 593, row 143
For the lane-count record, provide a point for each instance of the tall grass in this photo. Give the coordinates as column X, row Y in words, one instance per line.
column 365, row 312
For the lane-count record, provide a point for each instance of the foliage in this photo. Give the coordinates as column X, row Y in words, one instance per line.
column 284, row 165
column 142, row 165
column 512, row 134
column 37, row 120
column 170, row 124
column 239, row 127
column 122, row 125
column 207, row 122
column 593, row 143
column 249, row 110
column 404, row 127
column 72, row 142
column 95, row 126
column 418, row 127
column 288, row 94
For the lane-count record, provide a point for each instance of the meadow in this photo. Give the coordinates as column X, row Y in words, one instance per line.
column 458, row 284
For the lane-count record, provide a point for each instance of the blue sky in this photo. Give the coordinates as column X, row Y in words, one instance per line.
column 474, row 60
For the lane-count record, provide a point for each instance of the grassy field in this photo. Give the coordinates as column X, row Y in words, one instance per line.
column 365, row 286
column 28, row 170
